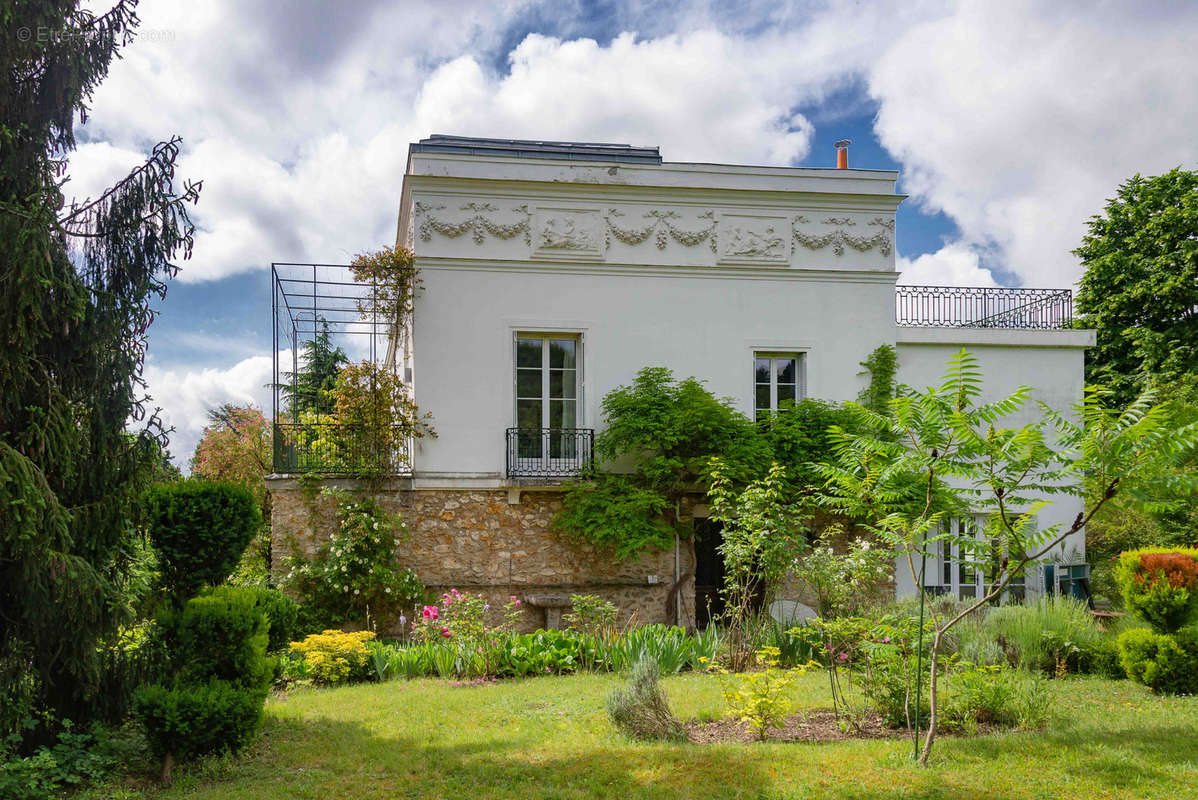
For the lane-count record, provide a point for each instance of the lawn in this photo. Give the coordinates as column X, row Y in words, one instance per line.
column 550, row 738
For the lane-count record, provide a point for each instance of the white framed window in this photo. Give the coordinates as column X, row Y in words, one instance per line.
column 959, row 569
column 778, row 382
column 548, row 386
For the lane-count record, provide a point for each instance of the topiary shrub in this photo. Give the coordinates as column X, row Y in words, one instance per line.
column 1160, row 585
column 197, row 719
column 1165, row 663
column 200, row 531
column 221, row 635
column 641, row 709
column 218, row 679
column 281, row 612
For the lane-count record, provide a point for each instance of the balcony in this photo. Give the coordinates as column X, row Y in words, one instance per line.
column 327, row 448
column 549, row 452
column 962, row 307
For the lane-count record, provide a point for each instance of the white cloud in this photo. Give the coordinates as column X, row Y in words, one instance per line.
column 1018, row 119
column 186, row 395
column 705, row 95
column 951, row 265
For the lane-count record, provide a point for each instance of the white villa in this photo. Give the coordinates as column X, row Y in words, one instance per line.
column 552, row 272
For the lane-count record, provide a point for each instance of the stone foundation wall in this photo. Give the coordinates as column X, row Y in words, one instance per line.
column 478, row 541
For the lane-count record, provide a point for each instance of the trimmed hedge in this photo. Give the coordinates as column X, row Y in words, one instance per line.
column 200, row 530
column 212, row 698
column 1167, row 663
column 221, row 635
column 1160, row 585
column 282, row 613
column 193, row 720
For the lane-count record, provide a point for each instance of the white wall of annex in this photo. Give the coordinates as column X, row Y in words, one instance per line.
column 1056, row 375
column 705, row 326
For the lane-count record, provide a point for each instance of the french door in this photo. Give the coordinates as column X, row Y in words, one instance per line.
column 547, row 390
column 961, row 572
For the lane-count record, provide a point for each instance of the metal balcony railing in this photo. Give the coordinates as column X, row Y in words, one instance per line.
column 549, row 452
column 329, row 448
column 964, row 307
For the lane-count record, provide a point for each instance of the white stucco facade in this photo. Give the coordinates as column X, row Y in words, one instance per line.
column 699, row 268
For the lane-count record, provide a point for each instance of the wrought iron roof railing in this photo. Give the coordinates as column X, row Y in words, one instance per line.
column 966, row 307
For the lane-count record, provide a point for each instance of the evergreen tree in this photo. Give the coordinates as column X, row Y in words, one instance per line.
column 311, row 388
column 76, row 283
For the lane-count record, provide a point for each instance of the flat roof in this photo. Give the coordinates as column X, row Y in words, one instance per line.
column 531, row 148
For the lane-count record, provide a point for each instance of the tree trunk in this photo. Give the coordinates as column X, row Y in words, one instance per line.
column 167, row 760
column 933, row 716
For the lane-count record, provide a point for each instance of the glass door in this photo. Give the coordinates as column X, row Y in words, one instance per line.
column 547, row 398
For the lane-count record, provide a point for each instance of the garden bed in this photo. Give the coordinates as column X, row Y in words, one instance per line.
column 812, row 726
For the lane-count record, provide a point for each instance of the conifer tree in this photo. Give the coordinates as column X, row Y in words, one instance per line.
column 78, row 440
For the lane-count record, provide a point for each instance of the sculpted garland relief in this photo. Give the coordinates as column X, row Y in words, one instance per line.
column 479, row 223
column 585, row 233
column 839, row 237
column 662, row 225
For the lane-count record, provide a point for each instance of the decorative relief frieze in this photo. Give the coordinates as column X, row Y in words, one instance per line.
column 480, row 223
column 587, row 234
column 839, row 237
column 753, row 239
column 568, row 233
column 662, row 225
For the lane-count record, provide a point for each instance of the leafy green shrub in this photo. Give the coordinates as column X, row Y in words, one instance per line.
column 337, row 656
column 545, row 652
column 1160, row 585
column 1101, row 658
column 200, row 530
column 590, row 614
column 281, row 612
column 993, row 695
column 799, row 437
column 76, row 758
column 1165, row 663
column 666, row 430
column 218, row 678
column 356, row 570
column 640, row 709
column 197, row 719
column 220, row 635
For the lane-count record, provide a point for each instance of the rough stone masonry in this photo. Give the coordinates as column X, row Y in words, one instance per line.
column 478, row 541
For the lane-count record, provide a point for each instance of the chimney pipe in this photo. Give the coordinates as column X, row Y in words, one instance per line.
column 842, row 154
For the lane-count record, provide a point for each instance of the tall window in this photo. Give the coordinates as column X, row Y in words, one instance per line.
column 961, row 571
column 546, row 393
column 778, row 382
column 961, row 574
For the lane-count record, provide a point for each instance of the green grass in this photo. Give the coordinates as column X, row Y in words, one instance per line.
column 549, row 738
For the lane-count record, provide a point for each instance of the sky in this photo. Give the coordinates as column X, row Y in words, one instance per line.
column 1009, row 122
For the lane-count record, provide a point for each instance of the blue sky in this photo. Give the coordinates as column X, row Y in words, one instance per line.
column 1009, row 123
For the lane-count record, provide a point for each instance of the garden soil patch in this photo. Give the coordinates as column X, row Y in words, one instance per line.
column 813, row 726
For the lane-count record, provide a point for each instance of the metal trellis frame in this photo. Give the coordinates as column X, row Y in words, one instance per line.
column 308, row 300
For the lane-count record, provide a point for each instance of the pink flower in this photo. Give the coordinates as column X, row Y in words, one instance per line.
column 455, row 593
column 445, row 632
column 430, row 612
column 844, row 656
